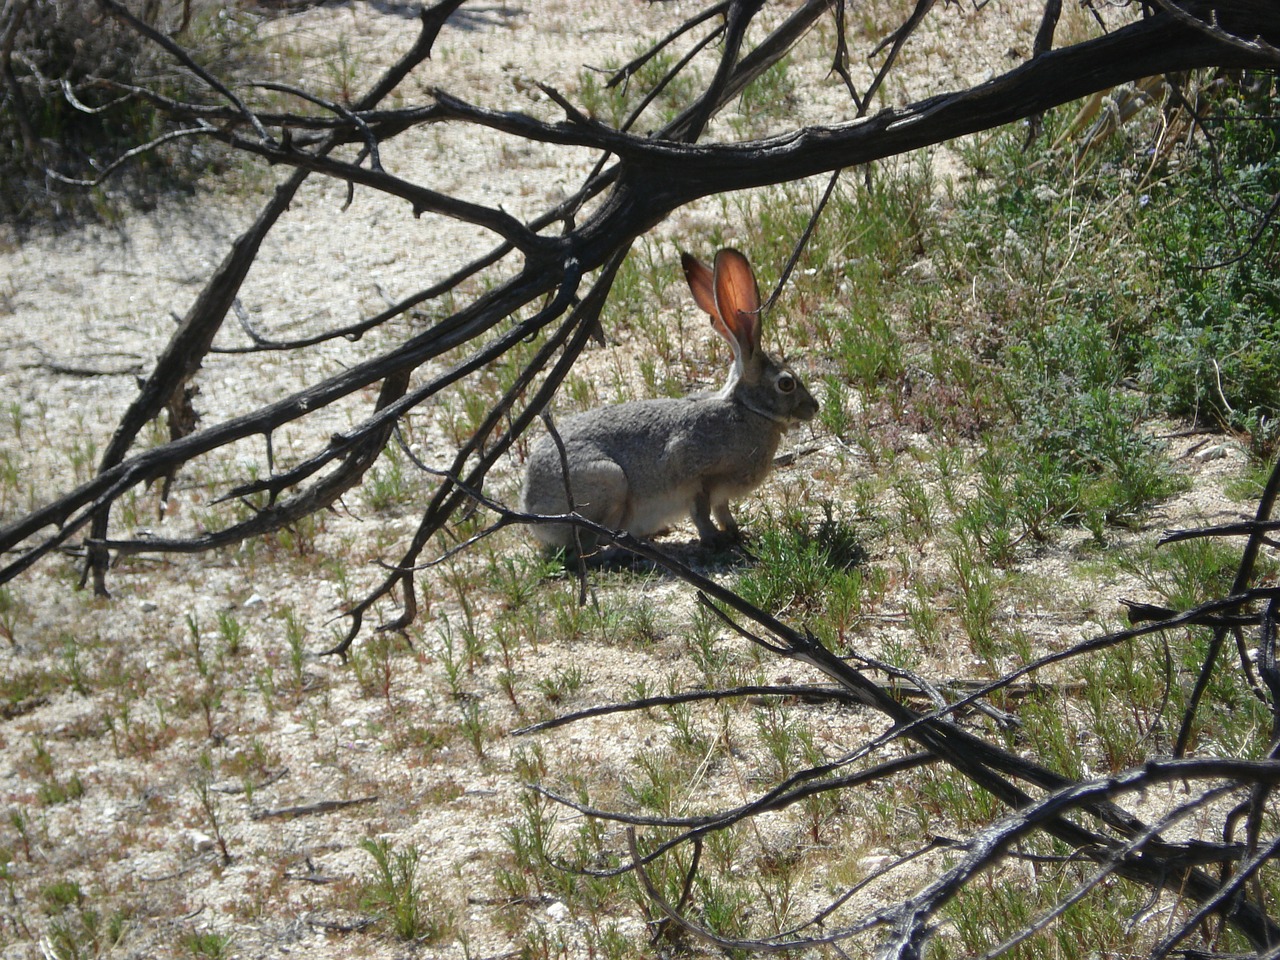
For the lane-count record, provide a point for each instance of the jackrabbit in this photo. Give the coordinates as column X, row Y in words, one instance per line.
column 639, row 466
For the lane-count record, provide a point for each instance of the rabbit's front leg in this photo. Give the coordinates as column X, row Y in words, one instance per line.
column 708, row 533
column 729, row 524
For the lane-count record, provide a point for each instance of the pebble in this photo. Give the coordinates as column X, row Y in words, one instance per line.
column 558, row 912
column 1215, row 452
column 200, row 842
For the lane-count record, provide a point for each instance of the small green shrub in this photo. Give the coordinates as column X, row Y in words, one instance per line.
column 801, row 563
column 614, row 104
column 81, row 931
column 389, row 485
column 400, row 895
column 770, row 98
column 1082, row 452
column 207, row 944
column 61, row 894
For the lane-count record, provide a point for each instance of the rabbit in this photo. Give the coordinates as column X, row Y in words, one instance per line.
column 642, row 465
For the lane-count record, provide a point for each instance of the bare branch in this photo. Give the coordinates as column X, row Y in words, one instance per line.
column 1230, row 23
column 128, row 156
column 122, row 13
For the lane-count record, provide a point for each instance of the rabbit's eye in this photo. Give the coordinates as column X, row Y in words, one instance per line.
column 787, row 383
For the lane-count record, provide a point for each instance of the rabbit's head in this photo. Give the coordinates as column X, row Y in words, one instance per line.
column 729, row 293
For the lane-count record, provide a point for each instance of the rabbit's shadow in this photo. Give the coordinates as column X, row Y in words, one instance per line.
column 691, row 554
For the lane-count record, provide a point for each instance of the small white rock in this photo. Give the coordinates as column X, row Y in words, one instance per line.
column 558, row 912
column 200, row 842
column 1215, row 452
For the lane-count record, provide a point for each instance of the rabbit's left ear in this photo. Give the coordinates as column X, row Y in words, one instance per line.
column 738, row 299
column 702, row 285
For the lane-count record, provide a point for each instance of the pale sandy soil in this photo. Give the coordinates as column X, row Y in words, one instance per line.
column 125, row 713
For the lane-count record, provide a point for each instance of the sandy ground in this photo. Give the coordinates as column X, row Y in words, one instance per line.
column 181, row 740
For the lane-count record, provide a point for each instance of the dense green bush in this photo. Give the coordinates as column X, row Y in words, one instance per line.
column 1129, row 282
column 1214, row 352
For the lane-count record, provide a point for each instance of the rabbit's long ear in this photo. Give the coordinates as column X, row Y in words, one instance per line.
column 702, row 285
column 738, row 299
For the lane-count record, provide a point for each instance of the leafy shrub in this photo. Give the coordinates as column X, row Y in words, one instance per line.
column 1214, row 353
column 800, row 563
column 1129, row 285
column 66, row 113
column 401, row 896
column 1080, row 428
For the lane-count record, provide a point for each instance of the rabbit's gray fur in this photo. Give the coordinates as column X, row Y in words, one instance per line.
column 643, row 465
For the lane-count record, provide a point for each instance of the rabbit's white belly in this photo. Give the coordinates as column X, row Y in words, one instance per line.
column 656, row 512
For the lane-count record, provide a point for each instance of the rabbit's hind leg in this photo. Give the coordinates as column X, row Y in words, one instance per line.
column 601, row 494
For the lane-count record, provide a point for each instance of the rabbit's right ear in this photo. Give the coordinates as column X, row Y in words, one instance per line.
column 702, row 286
column 738, row 299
